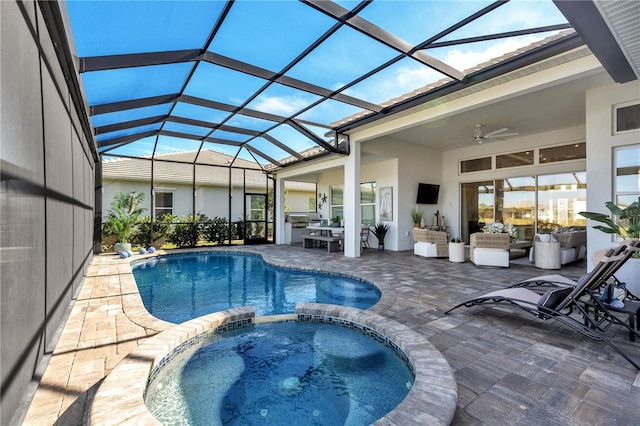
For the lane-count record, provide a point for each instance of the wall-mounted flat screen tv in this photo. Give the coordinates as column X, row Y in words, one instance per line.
column 427, row 193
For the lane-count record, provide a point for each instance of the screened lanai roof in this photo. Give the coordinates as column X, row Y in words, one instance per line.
column 279, row 82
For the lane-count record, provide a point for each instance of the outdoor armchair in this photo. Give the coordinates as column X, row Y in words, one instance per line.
column 489, row 249
column 430, row 243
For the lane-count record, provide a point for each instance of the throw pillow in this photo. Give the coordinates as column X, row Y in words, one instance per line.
column 551, row 299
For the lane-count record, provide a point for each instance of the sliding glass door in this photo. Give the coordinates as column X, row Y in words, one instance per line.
column 560, row 198
column 528, row 203
column 477, row 207
column 516, row 205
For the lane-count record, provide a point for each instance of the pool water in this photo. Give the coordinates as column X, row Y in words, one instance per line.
column 177, row 288
column 281, row 373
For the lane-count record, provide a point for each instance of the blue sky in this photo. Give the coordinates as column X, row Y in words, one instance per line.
column 269, row 35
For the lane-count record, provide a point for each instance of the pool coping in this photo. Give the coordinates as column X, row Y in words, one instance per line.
column 432, row 399
column 434, row 380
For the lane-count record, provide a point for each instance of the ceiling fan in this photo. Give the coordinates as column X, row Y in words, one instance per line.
column 479, row 136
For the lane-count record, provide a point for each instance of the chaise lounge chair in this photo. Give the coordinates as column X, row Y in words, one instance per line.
column 626, row 249
column 560, row 302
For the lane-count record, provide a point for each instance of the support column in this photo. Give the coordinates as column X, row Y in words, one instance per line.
column 279, row 211
column 352, row 213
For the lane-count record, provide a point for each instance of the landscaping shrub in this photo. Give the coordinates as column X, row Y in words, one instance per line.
column 142, row 235
column 216, row 230
column 185, row 232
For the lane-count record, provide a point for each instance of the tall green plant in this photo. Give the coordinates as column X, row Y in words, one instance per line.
column 380, row 231
column 416, row 216
column 623, row 222
column 124, row 214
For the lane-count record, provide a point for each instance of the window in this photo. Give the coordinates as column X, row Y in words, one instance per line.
column 367, row 202
column 475, row 165
column 627, row 117
column 336, row 198
column 163, row 204
column 257, row 205
column 627, row 175
column 554, row 154
column 514, row 159
column 575, row 151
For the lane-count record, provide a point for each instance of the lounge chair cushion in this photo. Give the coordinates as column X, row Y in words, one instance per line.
column 552, row 298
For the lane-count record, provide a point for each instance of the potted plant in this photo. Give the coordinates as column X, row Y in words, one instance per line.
column 624, row 222
column 335, row 221
column 416, row 216
column 456, row 250
column 123, row 216
column 380, row 231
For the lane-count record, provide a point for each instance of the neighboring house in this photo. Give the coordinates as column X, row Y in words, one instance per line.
column 300, row 197
column 172, row 190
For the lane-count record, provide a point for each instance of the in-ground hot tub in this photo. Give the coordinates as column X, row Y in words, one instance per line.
column 427, row 378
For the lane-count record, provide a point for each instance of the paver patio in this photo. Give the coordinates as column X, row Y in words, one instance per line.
column 510, row 368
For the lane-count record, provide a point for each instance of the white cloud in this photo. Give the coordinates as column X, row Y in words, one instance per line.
column 467, row 58
column 401, row 80
column 412, row 78
column 279, row 105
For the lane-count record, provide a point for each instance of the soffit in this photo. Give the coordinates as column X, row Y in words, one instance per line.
column 623, row 18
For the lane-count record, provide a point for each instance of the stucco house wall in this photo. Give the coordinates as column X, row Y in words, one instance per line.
column 210, row 200
column 299, row 200
column 601, row 142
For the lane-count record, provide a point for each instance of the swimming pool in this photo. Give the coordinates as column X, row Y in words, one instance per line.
column 177, row 288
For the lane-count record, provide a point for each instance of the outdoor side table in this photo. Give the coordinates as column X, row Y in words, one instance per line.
column 456, row 252
column 547, row 255
column 631, row 308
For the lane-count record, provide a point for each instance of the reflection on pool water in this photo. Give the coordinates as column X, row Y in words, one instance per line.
column 297, row 373
column 177, row 288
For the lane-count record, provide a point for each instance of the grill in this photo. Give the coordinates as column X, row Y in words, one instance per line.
column 298, row 221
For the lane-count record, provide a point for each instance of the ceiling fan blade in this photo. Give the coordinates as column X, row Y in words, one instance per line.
column 495, row 132
column 458, row 140
column 501, row 135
